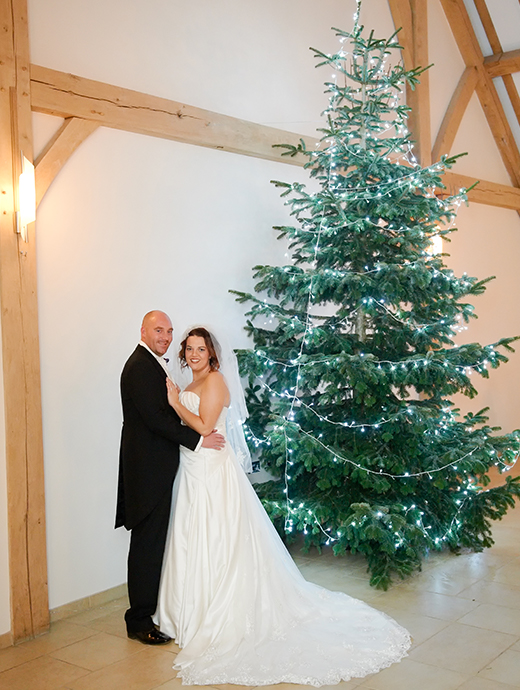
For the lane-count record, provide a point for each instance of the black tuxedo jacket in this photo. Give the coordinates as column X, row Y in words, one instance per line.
column 152, row 433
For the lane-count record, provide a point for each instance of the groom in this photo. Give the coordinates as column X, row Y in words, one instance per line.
column 148, row 462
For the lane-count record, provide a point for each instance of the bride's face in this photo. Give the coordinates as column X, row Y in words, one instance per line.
column 197, row 354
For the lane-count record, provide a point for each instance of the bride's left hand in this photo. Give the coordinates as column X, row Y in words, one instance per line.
column 173, row 392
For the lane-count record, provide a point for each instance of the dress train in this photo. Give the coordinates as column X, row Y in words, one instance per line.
column 234, row 600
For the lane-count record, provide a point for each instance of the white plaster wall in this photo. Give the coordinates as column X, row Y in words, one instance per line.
column 5, row 613
column 488, row 244
column 134, row 223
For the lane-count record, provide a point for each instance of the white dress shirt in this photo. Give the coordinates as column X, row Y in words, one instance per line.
column 162, row 361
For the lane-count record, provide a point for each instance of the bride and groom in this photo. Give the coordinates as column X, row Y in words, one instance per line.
column 206, row 566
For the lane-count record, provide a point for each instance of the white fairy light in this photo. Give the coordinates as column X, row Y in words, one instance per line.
column 401, row 181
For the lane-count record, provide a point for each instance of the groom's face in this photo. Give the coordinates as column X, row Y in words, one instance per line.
column 157, row 333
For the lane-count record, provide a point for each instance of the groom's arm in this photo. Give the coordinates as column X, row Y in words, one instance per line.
column 142, row 382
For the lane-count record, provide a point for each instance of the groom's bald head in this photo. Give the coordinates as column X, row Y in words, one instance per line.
column 157, row 331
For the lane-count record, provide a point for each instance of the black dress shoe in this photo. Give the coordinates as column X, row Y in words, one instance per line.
column 152, row 636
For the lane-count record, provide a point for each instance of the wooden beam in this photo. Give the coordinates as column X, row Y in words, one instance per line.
column 489, row 193
column 20, row 347
column 455, row 112
column 502, row 64
column 419, row 98
column 512, row 92
column 487, row 23
column 402, row 17
column 77, row 104
column 58, row 151
column 464, row 34
column 411, row 17
column 496, row 47
column 67, row 95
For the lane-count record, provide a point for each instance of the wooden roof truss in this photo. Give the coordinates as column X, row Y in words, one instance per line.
column 478, row 75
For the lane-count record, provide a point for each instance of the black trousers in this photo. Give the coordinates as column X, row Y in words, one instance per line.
column 145, row 557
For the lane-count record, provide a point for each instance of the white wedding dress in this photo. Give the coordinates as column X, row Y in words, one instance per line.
column 234, row 600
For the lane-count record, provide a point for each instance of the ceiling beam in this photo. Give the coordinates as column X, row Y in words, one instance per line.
column 496, row 47
column 402, row 15
column 419, row 98
column 489, row 193
column 67, row 95
column 59, row 149
column 501, row 64
column 455, row 112
column 411, row 19
column 466, row 39
column 512, row 61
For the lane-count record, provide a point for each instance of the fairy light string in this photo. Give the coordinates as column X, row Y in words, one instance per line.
column 338, row 193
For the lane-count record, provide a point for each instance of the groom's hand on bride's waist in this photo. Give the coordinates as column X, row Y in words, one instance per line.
column 215, row 441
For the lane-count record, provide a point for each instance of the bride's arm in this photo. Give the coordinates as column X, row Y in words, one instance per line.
column 213, row 397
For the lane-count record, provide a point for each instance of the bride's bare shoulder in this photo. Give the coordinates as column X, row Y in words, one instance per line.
column 215, row 383
column 215, row 380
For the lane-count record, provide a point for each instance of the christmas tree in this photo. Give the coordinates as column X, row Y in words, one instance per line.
column 354, row 358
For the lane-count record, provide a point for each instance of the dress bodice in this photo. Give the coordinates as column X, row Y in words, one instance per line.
column 201, row 464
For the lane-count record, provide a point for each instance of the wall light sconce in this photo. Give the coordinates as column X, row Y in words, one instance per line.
column 436, row 246
column 26, row 199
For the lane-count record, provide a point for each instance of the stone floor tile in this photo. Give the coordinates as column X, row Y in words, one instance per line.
column 483, row 684
column 430, row 604
column 43, row 673
column 485, row 592
column 421, row 628
column 112, row 623
column 474, row 566
column 97, row 651
column 61, row 634
column 462, row 648
column 439, row 581
column 492, row 617
column 15, row 656
column 86, row 617
column 516, row 646
column 508, row 574
column 504, row 669
column 411, row 675
column 504, row 553
column 507, row 536
column 144, row 670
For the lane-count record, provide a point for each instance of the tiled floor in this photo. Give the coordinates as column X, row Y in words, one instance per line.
column 462, row 611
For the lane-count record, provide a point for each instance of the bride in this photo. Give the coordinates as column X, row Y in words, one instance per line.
column 230, row 594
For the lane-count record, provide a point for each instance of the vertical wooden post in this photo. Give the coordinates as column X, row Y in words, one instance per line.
column 20, row 344
column 411, row 16
column 419, row 99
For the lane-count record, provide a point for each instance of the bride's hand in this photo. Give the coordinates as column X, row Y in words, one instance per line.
column 173, row 392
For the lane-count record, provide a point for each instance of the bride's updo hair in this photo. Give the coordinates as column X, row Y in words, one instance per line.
column 200, row 332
